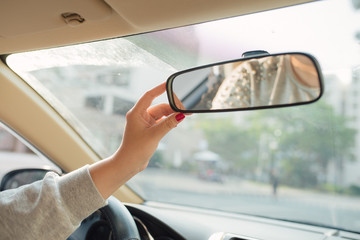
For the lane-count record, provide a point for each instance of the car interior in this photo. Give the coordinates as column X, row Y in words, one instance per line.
column 235, row 170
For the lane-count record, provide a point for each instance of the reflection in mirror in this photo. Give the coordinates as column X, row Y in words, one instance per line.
column 261, row 82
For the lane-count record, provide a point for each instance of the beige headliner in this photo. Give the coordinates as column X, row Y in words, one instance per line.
column 27, row 25
column 35, row 24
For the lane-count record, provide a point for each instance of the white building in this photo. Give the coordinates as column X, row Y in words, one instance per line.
column 342, row 91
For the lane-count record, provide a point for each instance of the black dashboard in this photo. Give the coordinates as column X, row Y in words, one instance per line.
column 168, row 222
column 158, row 221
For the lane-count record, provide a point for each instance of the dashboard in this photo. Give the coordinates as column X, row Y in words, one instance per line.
column 168, row 222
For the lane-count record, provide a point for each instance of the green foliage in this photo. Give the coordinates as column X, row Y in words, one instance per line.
column 301, row 142
column 234, row 144
column 297, row 173
column 352, row 190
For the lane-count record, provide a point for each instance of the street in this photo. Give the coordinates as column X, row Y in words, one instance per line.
column 242, row 196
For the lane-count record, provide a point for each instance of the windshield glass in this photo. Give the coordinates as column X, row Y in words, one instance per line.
column 300, row 163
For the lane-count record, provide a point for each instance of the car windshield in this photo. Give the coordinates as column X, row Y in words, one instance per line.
column 299, row 164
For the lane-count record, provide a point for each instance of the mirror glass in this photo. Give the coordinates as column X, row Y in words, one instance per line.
column 21, row 177
column 252, row 83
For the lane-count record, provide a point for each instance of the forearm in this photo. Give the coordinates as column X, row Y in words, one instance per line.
column 48, row 209
column 108, row 175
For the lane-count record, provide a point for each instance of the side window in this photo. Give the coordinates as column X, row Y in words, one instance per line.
column 14, row 154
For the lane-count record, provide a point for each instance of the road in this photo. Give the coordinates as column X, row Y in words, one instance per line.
column 238, row 195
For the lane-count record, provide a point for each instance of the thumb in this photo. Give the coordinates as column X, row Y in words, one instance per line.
column 165, row 126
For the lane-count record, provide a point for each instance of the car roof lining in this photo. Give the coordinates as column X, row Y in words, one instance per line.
column 34, row 27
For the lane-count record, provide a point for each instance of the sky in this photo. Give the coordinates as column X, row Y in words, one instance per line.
column 325, row 29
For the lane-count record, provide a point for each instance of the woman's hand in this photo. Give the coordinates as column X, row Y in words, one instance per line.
column 146, row 125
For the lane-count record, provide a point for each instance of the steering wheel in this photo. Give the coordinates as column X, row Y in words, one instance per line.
column 112, row 222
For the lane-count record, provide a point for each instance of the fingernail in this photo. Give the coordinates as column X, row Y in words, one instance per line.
column 179, row 117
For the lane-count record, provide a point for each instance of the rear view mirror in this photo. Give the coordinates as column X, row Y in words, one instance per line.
column 259, row 82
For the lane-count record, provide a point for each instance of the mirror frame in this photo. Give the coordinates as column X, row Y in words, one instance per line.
column 170, row 80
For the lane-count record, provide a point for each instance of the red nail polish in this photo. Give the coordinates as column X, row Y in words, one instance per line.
column 179, row 117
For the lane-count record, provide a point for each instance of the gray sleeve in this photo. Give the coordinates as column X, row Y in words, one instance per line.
column 49, row 209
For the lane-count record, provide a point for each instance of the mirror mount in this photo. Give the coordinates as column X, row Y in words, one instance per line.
column 255, row 53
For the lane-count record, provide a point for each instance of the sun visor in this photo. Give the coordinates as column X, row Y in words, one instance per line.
column 19, row 17
column 167, row 13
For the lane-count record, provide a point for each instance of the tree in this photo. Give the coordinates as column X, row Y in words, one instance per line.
column 300, row 141
column 232, row 142
column 313, row 136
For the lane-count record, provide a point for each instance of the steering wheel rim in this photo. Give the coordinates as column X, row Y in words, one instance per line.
column 112, row 221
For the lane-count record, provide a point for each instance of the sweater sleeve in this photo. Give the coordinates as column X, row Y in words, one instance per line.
column 49, row 209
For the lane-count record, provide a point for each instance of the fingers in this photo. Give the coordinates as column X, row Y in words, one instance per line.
column 145, row 101
column 153, row 115
column 164, row 126
column 178, row 103
column 160, row 110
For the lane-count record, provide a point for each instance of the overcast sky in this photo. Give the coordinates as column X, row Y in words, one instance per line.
column 325, row 29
